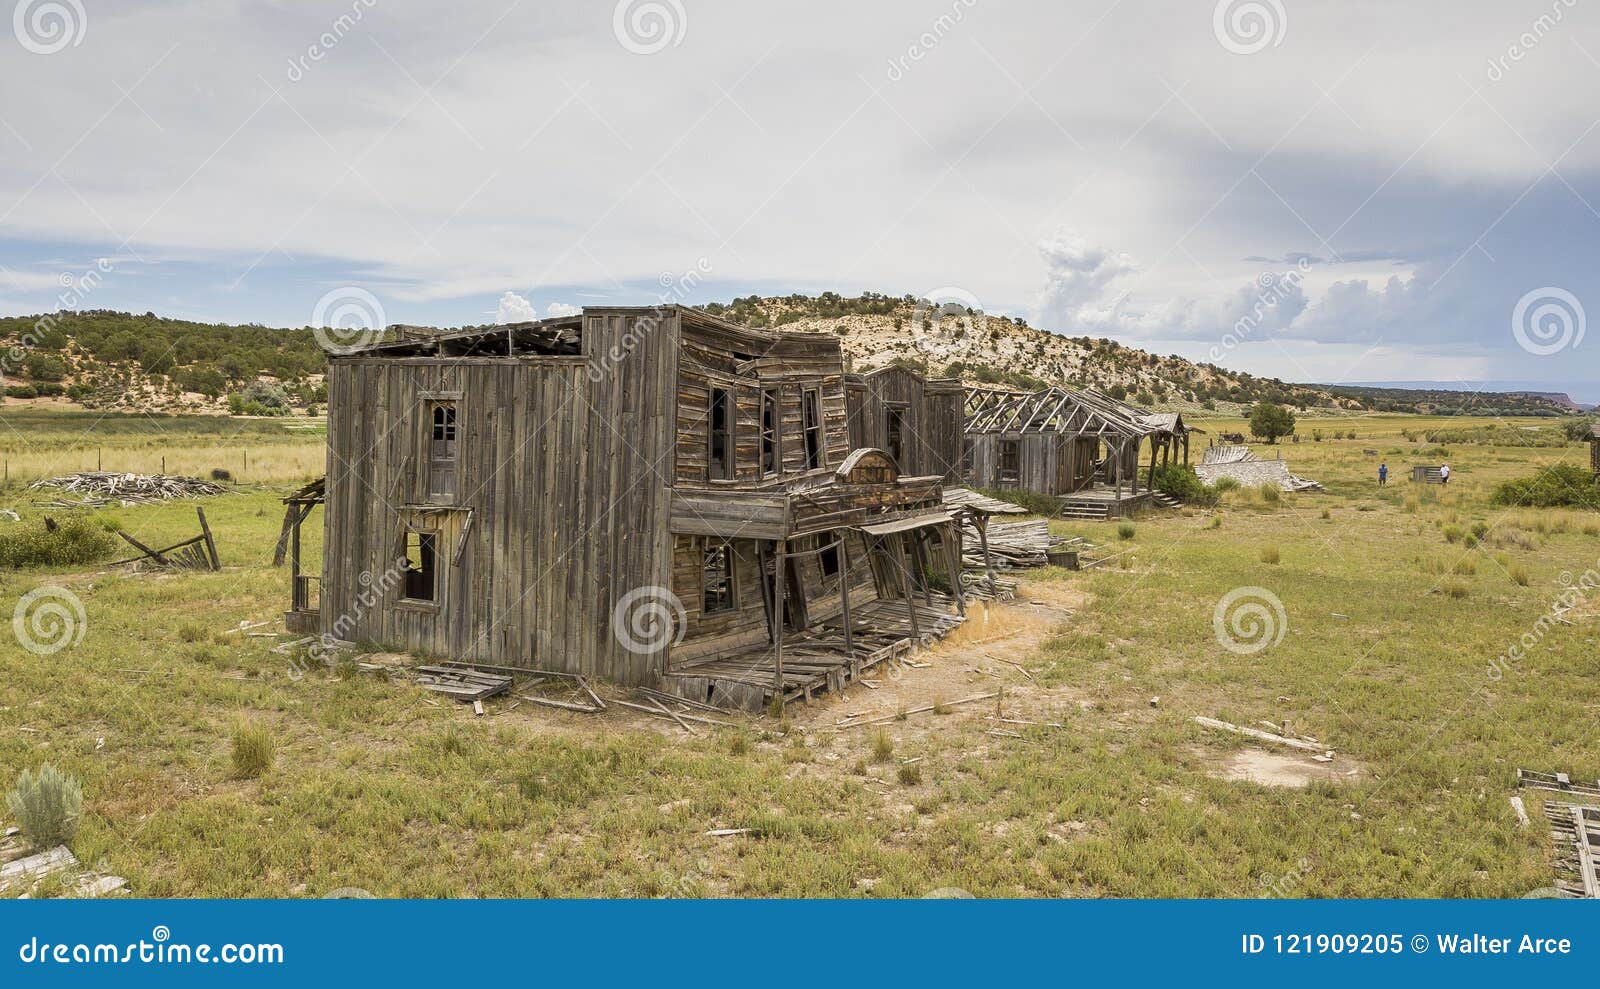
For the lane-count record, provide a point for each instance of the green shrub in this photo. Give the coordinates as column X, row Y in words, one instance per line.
column 1125, row 530
column 1270, row 492
column 1181, row 482
column 252, row 751
column 1269, row 554
column 47, row 805
column 73, row 540
column 1225, row 484
column 21, row 391
column 1556, row 486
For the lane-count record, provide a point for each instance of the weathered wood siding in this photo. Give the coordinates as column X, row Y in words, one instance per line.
column 935, row 419
column 565, row 465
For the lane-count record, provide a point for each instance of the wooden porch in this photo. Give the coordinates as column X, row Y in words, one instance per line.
column 816, row 659
column 1105, row 501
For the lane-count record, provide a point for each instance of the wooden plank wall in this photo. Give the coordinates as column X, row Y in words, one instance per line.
column 567, row 474
column 935, row 420
column 1036, row 461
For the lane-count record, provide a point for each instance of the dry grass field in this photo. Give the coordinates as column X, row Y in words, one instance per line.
column 1087, row 777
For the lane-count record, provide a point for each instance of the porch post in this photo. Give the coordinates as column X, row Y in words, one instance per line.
column 844, row 592
column 988, row 562
column 952, row 558
column 911, row 597
column 779, row 603
column 296, row 597
column 919, row 555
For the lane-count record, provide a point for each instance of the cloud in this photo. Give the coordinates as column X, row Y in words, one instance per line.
column 1077, row 277
column 1088, row 290
column 514, row 309
column 562, row 309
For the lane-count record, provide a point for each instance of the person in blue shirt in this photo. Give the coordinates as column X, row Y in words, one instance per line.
column 1383, row 474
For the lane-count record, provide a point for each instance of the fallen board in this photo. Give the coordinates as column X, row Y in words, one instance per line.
column 464, row 684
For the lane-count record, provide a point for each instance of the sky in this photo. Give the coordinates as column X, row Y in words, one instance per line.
column 1320, row 191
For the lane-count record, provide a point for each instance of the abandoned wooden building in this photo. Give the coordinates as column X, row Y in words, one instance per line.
column 916, row 420
column 1082, row 447
column 647, row 495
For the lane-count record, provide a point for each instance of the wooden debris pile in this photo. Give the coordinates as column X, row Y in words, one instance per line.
column 1576, row 831
column 196, row 553
column 20, row 866
column 1012, row 545
column 1574, row 827
column 97, row 489
column 679, row 709
column 464, row 683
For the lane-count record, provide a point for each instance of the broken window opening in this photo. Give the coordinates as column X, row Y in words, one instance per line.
column 719, row 456
column 717, row 578
column 896, row 434
column 1010, row 459
column 811, row 423
column 829, row 558
column 771, row 460
column 421, row 583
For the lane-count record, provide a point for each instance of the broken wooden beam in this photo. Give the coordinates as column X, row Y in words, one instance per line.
column 1264, row 736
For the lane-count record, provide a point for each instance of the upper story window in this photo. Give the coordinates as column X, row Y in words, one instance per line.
column 895, row 434
column 771, row 415
column 719, row 455
column 811, row 424
column 442, row 449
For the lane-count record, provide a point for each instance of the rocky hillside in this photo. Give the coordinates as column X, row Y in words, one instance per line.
column 981, row 349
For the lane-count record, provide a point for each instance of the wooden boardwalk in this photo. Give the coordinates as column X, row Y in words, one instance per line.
column 815, row 660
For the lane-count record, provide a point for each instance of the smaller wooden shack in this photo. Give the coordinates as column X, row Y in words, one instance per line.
column 916, row 420
column 1080, row 446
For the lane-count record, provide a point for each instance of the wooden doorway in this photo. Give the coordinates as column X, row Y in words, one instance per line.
column 794, row 595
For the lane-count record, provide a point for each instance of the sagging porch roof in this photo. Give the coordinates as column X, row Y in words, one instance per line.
column 1058, row 409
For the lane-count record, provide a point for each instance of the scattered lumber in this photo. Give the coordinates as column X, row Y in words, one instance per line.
column 197, row 553
column 1265, row 736
column 37, row 866
column 563, row 705
column 674, row 699
column 661, row 711
column 920, row 709
column 464, row 684
column 1575, row 829
column 97, row 489
column 1557, row 782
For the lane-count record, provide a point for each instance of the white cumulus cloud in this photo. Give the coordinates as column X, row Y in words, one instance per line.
column 514, row 309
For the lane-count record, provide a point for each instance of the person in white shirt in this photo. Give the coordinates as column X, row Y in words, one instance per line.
column 1444, row 474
